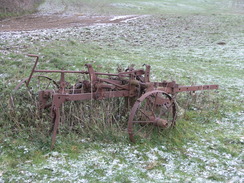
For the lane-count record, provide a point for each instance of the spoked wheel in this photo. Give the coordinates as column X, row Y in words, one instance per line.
column 26, row 96
column 152, row 112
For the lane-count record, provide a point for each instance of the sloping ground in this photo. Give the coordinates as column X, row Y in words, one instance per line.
column 34, row 22
column 63, row 14
column 206, row 146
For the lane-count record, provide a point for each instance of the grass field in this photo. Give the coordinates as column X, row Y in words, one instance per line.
column 192, row 42
column 107, row 7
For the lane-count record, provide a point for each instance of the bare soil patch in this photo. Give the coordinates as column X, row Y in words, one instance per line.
column 34, row 22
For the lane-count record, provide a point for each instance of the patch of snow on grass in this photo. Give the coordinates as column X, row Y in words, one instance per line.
column 121, row 17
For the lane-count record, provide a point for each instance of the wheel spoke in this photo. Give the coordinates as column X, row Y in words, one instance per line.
column 154, row 104
column 150, row 130
column 151, row 105
column 152, row 112
column 140, row 129
column 143, row 122
column 143, row 112
column 167, row 108
column 48, row 85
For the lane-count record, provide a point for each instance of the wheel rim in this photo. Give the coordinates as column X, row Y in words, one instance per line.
column 152, row 112
column 30, row 93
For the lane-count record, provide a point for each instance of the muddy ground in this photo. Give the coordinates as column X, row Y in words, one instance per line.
column 34, row 22
column 50, row 16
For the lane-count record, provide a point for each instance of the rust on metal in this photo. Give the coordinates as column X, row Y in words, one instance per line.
column 154, row 102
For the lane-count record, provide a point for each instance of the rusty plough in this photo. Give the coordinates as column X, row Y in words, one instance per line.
column 152, row 103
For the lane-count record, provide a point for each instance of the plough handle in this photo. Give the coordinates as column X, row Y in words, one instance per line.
column 33, row 69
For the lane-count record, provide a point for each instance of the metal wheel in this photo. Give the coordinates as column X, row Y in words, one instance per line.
column 23, row 95
column 152, row 112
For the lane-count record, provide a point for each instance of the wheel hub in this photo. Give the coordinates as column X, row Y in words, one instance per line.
column 160, row 122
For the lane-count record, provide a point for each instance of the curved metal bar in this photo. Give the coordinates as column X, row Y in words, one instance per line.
column 11, row 99
column 137, row 105
column 33, row 69
column 24, row 80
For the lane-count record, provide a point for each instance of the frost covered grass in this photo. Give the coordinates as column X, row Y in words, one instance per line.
column 206, row 146
column 105, row 162
column 125, row 7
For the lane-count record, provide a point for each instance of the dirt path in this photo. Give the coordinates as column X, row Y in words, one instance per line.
column 34, row 22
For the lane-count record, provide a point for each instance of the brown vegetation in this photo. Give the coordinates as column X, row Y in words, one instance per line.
column 16, row 6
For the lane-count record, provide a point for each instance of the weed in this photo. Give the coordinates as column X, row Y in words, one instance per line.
column 15, row 8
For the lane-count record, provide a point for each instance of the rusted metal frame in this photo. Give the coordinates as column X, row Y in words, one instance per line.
column 132, row 85
column 106, row 74
column 78, row 72
column 172, row 90
column 101, row 88
column 43, row 98
column 168, row 90
column 147, row 74
column 111, row 81
column 166, row 84
column 55, row 112
column 59, row 99
column 92, row 75
column 138, row 72
column 195, row 88
column 114, row 83
column 60, row 71
column 33, row 69
column 62, row 83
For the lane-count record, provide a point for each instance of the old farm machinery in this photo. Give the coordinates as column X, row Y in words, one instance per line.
column 152, row 103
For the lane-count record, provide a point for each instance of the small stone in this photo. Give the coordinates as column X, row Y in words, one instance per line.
column 221, row 43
